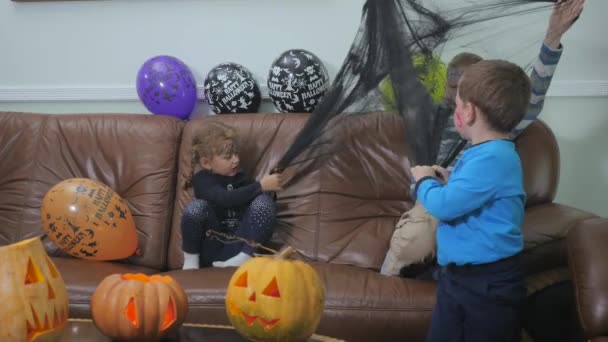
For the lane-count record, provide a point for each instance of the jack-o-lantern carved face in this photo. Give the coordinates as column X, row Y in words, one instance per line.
column 34, row 298
column 270, row 297
column 138, row 307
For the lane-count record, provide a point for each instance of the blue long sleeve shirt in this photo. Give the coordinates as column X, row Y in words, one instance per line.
column 481, row 208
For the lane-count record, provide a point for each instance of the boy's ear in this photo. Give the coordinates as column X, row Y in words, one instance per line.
column 470, row 112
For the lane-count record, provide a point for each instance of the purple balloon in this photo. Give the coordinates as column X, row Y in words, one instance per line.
column 166, row 86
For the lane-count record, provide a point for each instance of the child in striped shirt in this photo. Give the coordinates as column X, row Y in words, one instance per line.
column 564, row 15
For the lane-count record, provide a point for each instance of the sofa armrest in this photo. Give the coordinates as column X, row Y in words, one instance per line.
column 588, row 261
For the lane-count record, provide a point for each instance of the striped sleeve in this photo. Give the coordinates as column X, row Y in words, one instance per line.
column 540, row 79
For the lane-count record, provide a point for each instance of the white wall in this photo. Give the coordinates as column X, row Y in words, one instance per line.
column 581, row 127
column 88, row 53
column 100, row 45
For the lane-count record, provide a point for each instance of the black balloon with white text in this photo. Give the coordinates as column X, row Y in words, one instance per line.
column 230, row 88
column 297, row 81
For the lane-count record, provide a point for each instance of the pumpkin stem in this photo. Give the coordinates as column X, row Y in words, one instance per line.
column 285, row 253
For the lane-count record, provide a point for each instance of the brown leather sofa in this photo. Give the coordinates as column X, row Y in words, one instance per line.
column 587, row 255
column 339, row 217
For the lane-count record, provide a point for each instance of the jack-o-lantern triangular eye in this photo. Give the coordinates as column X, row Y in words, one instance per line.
column 52, row 269
column 33, row 274
column 131, row 313
column 51, row 292
column 241, row 281
column 170, row 315
column 272, row 290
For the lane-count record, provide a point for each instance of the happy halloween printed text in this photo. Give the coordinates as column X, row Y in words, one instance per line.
column 68, row 243
column 102, row 202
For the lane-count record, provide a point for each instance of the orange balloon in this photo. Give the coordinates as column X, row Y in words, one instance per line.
column 88, row 220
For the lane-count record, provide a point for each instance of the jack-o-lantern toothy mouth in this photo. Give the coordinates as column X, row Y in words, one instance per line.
column 266, row 324
column 40, row 327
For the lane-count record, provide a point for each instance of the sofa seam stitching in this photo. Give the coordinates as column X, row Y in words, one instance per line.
column 30, row 178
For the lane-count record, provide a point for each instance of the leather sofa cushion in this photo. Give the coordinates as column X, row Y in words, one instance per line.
column 588, row 251
column 345, row 210
column 263, row 139
column 356, row 302
column 545, row 228
column 82, row 277
column 539, row 154
column 133, row 154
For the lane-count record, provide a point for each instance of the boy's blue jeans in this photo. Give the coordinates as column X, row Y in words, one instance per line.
column 479, row 303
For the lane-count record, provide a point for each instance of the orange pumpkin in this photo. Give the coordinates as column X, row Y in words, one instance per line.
column 274, row 299
column 137, row 307
column 32, row 294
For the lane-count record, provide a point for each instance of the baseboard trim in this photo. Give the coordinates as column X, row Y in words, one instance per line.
column 128, row 93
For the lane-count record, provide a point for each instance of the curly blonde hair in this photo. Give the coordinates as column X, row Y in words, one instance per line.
column 213, row 139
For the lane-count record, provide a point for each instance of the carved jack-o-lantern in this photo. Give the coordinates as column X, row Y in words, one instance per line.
column 138, row 307
column 273, row 299
column 32, row 294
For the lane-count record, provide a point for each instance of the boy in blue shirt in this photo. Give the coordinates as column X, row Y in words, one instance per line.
column 480, row 208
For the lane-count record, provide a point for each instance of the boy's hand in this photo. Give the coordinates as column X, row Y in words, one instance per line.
column 420, row 172
column 442, row 172
column 272, row 182
column 565, row 13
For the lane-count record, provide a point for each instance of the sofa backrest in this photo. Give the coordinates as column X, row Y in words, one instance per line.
column 345, row 211
column 133, row 154
column 263, row 140
column 539, row 153
column 342, row 212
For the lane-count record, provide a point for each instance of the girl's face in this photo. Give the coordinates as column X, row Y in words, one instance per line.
column 226, row 163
